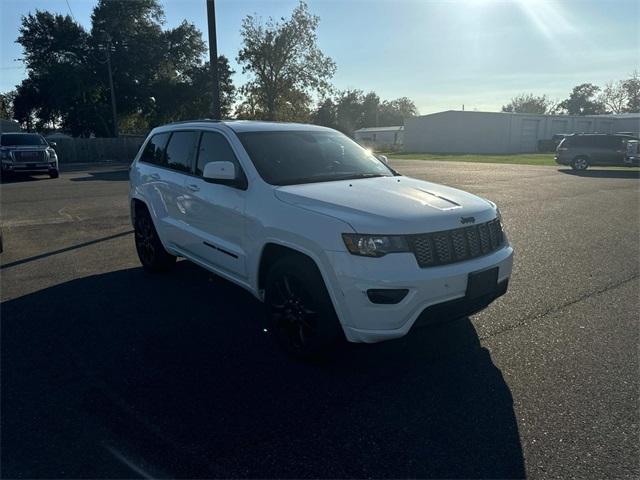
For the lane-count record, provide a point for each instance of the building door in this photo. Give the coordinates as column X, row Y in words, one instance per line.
column 529, row 135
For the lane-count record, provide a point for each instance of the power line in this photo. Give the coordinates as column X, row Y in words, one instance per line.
column 70, row 11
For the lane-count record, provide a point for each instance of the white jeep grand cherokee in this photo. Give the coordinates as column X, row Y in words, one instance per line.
column 333, row 240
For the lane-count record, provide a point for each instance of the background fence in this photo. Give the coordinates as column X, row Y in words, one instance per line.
column 75, row 150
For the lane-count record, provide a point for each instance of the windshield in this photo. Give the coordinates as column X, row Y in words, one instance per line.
column 19, row 139
column 293, row 157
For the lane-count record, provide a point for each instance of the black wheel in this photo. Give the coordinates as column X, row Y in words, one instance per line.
column 152, row 255
column 54, row 173
column 580, row 163
column 299, row 310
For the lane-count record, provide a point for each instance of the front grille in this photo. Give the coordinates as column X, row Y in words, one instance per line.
column 30, row 156
column 450, row 246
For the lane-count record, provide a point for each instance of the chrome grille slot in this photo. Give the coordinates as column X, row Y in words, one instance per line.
column 30, row 156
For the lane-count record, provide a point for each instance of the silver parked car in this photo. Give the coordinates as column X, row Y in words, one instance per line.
column 29, row 153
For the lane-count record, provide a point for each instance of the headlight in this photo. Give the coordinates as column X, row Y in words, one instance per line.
column 374, row 245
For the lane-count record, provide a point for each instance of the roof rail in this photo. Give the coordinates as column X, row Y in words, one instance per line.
column 210, row 120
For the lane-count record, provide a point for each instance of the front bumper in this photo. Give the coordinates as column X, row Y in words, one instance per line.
column 364, row 321
column 29, row 167
column 562, row 160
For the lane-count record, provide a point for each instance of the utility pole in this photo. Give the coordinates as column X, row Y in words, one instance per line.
column 213, row 60
column 113, row 92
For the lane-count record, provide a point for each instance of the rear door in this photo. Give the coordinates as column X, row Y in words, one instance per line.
column 180, row 155
column 154, row 176
column 215, row 213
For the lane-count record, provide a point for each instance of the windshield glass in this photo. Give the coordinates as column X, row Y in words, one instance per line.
column 9, row 139
column 293, row 157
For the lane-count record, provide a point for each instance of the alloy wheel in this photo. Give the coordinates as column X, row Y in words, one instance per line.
column 294, row 316
column 145, row 240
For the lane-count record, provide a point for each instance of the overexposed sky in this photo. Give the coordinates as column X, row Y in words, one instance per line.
column 441, row 54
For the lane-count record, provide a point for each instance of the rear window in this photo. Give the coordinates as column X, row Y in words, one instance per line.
column 20, row 139
column 155, row 148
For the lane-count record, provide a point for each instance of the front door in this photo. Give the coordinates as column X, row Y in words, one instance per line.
column 214, row 213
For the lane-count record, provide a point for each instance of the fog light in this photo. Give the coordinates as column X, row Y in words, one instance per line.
column 387, row 296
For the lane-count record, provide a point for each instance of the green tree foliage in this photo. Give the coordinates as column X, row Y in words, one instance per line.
column 395, row 111
column 529, row 103
column 285, row 64
column 353, row 109
column 6, row 104
column 631, row 87
column 613, row 97
column 583, row 101
column 158, row 74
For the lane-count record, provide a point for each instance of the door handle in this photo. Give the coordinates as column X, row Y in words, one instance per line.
column 193, row 187
column 155, row 176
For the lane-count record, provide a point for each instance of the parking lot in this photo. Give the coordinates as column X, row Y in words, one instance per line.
column 109, row 371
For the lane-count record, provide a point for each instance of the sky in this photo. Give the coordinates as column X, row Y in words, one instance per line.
column 441, row 54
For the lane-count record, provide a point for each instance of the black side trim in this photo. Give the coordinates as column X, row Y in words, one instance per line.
column 226, row 252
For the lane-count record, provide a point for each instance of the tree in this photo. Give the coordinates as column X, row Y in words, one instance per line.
column 158, row 74
column 582, row 101
column 529, row 103
column 631, row 88
column 58, row 87
column 393, row 113
column 326, row 114
column 614, row 97
column 371, row 110
column 349, row 111
column 352, row 109
column 6, row 104
column 284, row 61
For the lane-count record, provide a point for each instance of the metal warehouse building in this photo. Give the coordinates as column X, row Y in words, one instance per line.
column 497, row 132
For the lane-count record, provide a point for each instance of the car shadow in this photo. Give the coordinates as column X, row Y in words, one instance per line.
column 602, row 173
column 174, row 375
column 111, row 175
column 24, row 177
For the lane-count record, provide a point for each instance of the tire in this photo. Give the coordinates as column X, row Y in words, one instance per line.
column 153, row 257
column 580, row 163
column 54, row 173
column 299, row 310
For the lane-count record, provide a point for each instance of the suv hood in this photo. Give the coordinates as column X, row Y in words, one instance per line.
column 389, row 205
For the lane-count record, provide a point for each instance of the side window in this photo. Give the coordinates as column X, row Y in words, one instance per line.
column 154, row 150
column 181, row 150
column 214, row 148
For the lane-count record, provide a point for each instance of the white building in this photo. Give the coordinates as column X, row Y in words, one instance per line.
column 497, row 132
column 380, row 137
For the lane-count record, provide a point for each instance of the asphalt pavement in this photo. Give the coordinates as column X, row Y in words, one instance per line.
column 111, row 372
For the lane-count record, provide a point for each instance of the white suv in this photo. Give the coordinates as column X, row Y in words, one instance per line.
column 333, row 240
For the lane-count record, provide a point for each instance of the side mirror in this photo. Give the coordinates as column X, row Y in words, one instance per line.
column 216, row 171
column 383, row 159
column 53, row 144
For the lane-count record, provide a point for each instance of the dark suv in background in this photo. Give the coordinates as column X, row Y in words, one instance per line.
column 27, row 153
column 582, row 150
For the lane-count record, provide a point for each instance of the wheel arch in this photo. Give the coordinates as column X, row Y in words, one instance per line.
column 272, row 251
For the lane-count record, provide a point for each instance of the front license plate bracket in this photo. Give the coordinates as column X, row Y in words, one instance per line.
column 482, row 283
